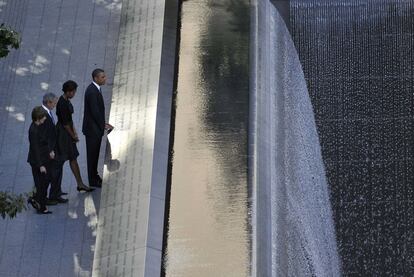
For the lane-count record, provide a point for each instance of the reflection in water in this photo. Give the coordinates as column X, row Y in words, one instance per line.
column 208, row 231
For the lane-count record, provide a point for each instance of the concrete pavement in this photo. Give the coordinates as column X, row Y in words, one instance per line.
column 61, row 40
column 116, row 231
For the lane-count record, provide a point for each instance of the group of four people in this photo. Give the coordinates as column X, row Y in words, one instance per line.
column 52, row 143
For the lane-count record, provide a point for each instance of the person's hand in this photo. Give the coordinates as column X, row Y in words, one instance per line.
column 43, row 169
column 52, row 154
column 108, row 127
column 76, row 139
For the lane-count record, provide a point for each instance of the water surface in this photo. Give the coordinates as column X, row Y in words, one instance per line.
column 208, row 224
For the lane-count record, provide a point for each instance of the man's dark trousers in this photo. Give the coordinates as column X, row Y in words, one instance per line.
column 93, row 145
column 56, row 168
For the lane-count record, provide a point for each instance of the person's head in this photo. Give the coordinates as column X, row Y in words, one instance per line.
column 69, row 88
column 49, row 100
column 38, row 115
column 98, row 76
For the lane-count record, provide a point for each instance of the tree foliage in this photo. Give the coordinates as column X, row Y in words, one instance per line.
column 10, row 204
column 8, row 39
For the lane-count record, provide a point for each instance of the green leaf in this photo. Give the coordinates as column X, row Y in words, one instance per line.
column 11, row 204
column 8, row 39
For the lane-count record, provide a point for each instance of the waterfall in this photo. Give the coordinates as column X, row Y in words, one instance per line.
column 293, row 227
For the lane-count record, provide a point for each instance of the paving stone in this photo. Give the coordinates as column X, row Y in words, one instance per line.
column 30, row 265
column 52, row 46
column 66, row 40
column 10, row 260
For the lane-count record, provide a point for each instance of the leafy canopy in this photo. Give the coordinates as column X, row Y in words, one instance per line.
column 8, row 39
column 10, row 204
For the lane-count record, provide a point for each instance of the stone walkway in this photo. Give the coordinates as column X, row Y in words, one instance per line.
column 61, row 40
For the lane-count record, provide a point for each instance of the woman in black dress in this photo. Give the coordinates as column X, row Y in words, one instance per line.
column 67, row 137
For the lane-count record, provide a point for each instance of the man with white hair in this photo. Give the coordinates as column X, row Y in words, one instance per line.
column 55, row 193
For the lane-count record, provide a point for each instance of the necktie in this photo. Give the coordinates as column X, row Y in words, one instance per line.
column 51, row 116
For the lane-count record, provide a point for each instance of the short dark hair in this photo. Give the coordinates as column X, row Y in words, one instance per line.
column 38, row 113
column 69, row 86
column 96, row 72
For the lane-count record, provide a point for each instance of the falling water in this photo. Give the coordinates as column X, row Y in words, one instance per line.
column 358, row 61
column 293, row 227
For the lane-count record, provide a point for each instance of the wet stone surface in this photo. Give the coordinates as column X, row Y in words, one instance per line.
column 358, row 62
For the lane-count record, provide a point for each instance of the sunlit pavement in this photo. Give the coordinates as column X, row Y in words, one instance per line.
column 61, row 40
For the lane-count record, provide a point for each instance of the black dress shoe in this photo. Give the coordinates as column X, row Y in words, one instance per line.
column 63, row 193
column 61, row 200
column 34, row 203
column 87, row 189
column 51, row 202
column 44, row 212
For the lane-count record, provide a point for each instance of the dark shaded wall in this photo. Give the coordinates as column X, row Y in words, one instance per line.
column 283, row 9
column 358, row 62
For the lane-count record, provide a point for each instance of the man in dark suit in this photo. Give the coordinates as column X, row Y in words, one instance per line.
column 56, row 167
column 94, row 124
